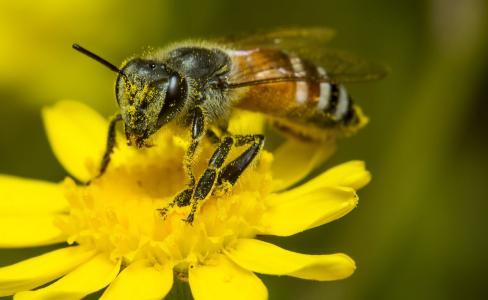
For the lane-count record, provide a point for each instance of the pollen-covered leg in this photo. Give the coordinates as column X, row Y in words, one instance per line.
column 197, row 131
column 109, row 148
column 182, row 199
column 209, row 177
column 216, row 175
column 231, row 172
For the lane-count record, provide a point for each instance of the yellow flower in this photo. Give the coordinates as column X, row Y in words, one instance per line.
column 118, row 239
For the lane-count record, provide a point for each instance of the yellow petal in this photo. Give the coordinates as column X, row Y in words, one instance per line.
column 78, row 136
column 29, row 231
column 265, row 258
column 141, row 281
column 352, row 174
column 88, row 278
column 222, row 279
column 294, row 160
column 20, row 196
column 290, row 213
column 36, row 271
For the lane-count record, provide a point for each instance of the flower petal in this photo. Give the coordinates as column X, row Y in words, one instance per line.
column 352, row 174
column 78, row 136
column 294, row 160
column 90, row 277
column 141, row 281
column 222, row 279
column 21, row 196
column 265, row 258
column 29, row 231
column 290, row 213
column 36, row 271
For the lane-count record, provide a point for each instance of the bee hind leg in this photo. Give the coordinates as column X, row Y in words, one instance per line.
column 216, row 175
column 209, row 177
column 233, row 170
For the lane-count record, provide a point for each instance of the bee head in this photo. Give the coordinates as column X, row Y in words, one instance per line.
column 149, row 95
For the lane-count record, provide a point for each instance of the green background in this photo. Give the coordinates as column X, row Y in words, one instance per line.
column 419, row 231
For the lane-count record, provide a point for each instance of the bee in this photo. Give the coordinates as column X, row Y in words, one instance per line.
column 288, row 75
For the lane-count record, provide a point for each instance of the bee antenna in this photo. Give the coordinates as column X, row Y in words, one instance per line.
column 98, row 58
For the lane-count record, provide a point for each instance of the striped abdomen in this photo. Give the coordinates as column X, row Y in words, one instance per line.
column 307, row 102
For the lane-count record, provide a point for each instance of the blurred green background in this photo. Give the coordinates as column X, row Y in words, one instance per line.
column 419, row 231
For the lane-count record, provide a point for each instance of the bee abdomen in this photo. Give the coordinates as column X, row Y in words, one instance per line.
column 330, row 100
column 334, row 100
column 311, row 99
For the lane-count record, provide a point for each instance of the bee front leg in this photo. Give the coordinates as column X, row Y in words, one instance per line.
column 197, row 131
column 109, row 148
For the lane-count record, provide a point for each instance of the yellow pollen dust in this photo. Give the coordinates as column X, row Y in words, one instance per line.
column 117, row 213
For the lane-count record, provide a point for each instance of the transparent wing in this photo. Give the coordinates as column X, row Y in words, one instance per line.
column 343, row 67
column 290, row 39
column 330, row 65
column 307, row 43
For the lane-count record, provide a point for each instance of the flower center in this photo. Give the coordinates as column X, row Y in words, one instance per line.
column 117, row 213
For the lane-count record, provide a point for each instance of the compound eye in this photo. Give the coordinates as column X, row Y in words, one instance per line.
column 176, row 89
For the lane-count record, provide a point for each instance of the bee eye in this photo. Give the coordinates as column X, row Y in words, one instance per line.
column 174, row 100
column 152, row 66
column 175, row 89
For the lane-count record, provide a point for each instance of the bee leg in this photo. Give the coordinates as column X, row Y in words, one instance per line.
column 197, row 131
column 216, row 175
column 109, row 148
column 233, row 170
column 209, row 177
column 182, row 199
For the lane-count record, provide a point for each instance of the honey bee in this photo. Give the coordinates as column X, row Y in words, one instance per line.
column 288, row 75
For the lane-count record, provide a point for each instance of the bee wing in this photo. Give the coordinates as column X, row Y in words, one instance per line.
column 310, row 45
column 291, row 39
column 328, row 65
column 344, row 67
